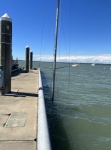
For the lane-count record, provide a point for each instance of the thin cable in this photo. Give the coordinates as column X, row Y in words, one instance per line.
column 69, row 49
column 42, row 32
column 67, row 46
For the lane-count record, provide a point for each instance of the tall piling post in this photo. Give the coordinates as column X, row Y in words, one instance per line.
column 27, row 58
column 6, row 53
column 31, row 60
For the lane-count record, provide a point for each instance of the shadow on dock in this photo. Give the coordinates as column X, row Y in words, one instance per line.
column 18, row 93
column 17, row 72
column 21, row 94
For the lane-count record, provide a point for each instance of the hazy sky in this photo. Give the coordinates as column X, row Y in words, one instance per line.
column 84, row 28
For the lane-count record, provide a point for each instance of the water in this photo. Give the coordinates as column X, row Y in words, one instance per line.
column 80, row 116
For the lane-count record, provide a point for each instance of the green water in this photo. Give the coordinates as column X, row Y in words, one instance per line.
column 80, row 116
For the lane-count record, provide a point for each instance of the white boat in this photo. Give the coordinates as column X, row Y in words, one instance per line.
column 92, row 64
column 15, row 65
column 75, row 65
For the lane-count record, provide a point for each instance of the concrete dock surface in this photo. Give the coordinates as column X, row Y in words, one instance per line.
column 18, row 113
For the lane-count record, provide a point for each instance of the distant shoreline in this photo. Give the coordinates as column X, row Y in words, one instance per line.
column 71, row 62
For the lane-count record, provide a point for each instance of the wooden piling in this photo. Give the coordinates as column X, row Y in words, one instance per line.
column 6, row 51
column 31, row 60
column 27, row 58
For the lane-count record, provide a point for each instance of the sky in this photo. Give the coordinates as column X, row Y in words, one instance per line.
column 84, row 29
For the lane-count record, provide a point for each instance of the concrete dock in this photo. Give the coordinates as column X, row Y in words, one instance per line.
column 18, row 113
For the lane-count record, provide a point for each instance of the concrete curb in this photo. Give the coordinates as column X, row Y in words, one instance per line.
column 43, row 132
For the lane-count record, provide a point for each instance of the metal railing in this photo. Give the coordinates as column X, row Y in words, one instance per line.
column 43, row 142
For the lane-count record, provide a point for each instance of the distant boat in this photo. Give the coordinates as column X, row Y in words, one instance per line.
column 92, row 64
column 15, row 65
column 75, row 65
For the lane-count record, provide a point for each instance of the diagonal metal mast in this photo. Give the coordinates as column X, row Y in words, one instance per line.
column 55, row 47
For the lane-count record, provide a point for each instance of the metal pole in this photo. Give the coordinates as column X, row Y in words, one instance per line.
column 55, row 47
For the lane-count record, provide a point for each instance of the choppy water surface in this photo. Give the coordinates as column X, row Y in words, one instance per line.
column 80, row 116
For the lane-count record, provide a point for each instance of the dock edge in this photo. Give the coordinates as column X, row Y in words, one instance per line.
column 43, row 142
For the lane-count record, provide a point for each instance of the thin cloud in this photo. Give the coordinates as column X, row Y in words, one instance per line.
column 78, row 59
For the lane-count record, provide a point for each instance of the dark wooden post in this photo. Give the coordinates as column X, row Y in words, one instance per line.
column 31, row 60
column 6, row 51
column 27, row 58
